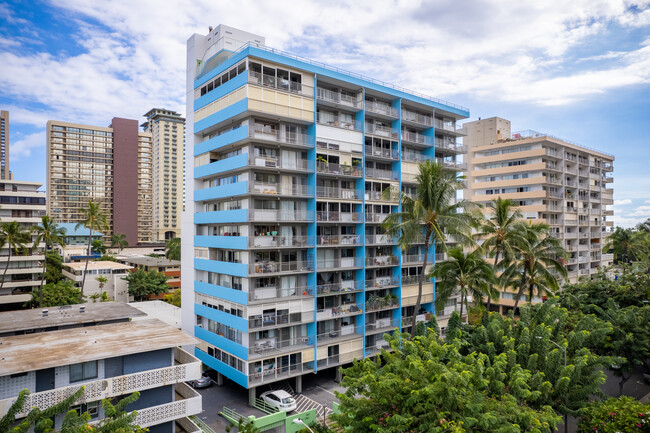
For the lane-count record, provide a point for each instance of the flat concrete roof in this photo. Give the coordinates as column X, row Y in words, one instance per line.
column 107, row 264
column 21, row 320
column 148, row 261
column 161, row 310
column 23, row 353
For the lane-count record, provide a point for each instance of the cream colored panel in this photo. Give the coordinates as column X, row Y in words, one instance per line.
column 307, row 355
column 254, row 105
column 202, row 159
column 283, row 99
column 254, row 92
column 322, row 353
column 220, row 104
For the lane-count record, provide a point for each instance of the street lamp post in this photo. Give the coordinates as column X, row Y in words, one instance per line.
column 300, row 421
column 566, row 417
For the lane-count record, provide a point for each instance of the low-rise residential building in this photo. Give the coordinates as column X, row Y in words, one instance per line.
column 20, row 201
column 53, row 352
column 115, row 287
column 76, row 242
column 171, row 268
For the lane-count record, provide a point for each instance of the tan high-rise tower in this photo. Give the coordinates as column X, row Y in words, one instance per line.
column 551, row 180
column 167, row 129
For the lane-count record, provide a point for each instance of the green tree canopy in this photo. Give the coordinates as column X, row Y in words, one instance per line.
column 427, row 386
column 49, row 233
column 53, row 267
column 173, row 249
column 118, row 240
column 56, row 294
column 615, row 415
column 142, row 283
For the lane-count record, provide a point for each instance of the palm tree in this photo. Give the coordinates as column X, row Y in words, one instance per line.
column 433, row 210
column 534, row 254
column 94, row 219
column 501, row 231
column 15, row 238
column 49, row 233
column 119, row 240
column 173, row 249
column 468, row 274
column 626, row 244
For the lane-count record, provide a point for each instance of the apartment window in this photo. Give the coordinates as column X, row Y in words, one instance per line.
column 83, row 371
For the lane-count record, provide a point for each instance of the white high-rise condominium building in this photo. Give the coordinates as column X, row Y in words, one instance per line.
column 551, row 180
column 283, row 246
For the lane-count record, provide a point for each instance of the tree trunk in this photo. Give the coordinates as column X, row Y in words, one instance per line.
column 622, row 382
column 40, row 296
column 489, row 300
column 83, row 278
column 462, row 300
column 418, row 302
column 521, row 288
column 2, row 283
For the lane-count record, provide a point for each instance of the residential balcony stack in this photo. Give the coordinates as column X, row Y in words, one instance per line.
column 551, row 180
column 292, row 167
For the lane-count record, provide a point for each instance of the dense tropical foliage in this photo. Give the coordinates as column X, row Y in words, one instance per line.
column 142, row 283
column 95, row 220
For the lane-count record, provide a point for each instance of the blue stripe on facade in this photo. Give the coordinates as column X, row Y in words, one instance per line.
column 221, row 216
column 221, row 91
column 238, row 323
column 231, row 373
column 221, row 292
column 221, row 115
column 227, row 242
column 221, row 342
column 236, row 269
column 219, row 69
column 298, row 64
column 233, row 163
column 224, row 139
column 222, row 191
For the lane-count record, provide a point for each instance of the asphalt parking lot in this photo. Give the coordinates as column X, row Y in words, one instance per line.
column 319, row 388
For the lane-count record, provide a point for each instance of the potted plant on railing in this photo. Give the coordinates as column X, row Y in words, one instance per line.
column 356, row 167
column 321, row 161
column 346, row 168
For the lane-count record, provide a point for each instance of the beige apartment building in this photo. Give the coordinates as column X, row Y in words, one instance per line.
column 22, row 202
column 168, row 131
column 552, row 180
column 108, row 165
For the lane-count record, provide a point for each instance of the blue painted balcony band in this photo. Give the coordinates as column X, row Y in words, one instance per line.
column 214, row 168
column 222, row 115
column 228, row 371
column 222, row 292
column 221, row 91
column 223, row 191
column 230, row 137
column 221, row 216
column 228, row 268
column 227, row 242
column 238, row 323
column 221, row 342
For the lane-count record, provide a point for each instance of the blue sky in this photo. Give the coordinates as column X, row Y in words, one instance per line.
column 578, row 70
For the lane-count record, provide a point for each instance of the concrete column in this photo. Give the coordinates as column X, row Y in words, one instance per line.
column 298, row 384
column 219, row 379
column 251, row 396
column 339, row 375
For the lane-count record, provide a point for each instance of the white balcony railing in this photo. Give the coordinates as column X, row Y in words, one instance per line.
column 187, row 403
column 186, row 367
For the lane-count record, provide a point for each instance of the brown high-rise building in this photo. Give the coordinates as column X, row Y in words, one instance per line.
column 108, row 165
column 4, row 145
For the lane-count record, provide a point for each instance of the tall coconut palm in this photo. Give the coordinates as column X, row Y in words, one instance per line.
column 49, row 233
column 173, row 249
column 467, row 274
column 16, row 239
column 118, row 240
column 501, row 232
column 533, row 256
column 94, row 219
column 431, row 214
column 626, row 245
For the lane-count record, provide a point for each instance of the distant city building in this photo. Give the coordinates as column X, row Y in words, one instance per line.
column 55, row 351
column 110, row 166
column 5, row 174
column 23, row 202
column 287, row 187
column 551, row 180
column 167, row 129
column 115, row 287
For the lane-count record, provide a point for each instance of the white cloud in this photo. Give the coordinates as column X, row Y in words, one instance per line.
column 641, row 211
column 22, row 148
column 508, row 50
column 647, row 202
column 622, row 202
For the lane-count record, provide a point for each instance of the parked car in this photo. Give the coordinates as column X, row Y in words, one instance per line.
column 203, row 382
column 280, row 399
